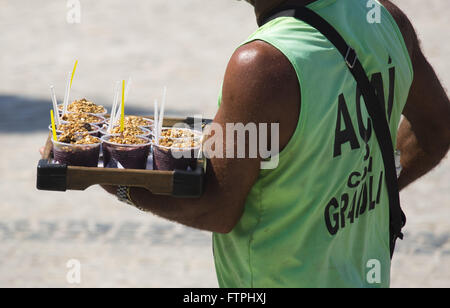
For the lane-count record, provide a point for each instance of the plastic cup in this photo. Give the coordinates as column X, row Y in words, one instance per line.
column 129, row 156
column 173, row 157
column 82, row 155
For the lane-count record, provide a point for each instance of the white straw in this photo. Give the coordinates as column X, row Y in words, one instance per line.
column 161, row 113
column 200, row 152
column 115, row 103
column 155, row 118
column 55, row 105
column 67, row 94
column 127, row 88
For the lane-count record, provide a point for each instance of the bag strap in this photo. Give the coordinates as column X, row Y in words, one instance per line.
column 376, row 112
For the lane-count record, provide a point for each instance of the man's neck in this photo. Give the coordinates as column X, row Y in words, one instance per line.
column 261, row 8
column 300, row 2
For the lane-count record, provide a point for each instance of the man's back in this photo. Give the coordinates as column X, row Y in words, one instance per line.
column 322, row 215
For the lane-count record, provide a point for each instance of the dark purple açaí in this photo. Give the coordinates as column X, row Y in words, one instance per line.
column 128, row 156
column 165, row 158
column 82, row 155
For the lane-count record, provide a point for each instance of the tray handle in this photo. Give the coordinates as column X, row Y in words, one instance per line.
column 188, row 184
column 51, row 177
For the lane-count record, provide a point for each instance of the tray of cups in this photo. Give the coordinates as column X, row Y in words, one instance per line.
column 87, row 153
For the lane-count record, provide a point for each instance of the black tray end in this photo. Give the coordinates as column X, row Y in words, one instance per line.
column 51, row 177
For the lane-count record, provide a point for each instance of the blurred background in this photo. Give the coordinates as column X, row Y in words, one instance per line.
column 184, row 45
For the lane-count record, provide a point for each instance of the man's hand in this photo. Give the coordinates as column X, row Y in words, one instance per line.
column 424, row 134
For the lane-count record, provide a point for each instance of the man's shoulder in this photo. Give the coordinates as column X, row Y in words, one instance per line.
column 259, row 73
column 262, row 86
column 264, row 58
column 262, row 71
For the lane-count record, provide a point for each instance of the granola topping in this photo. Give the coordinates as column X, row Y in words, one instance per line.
column 128, row 131
column 72, row 138
column 73, row 127
column 179, row 143
column 81, row 118
column 135, row 121
column 178, row 133
column 84, row 106
column 127, row 139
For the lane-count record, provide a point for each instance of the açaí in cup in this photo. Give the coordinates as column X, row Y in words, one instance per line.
column 176, row 153
column 77, row 150
column 129, row 152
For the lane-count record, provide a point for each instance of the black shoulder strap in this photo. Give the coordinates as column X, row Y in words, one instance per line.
column 373, row 105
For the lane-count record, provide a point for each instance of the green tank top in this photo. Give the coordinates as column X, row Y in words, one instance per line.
column 321, row 218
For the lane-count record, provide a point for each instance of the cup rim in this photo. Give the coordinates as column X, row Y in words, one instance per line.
column 76, row 145
column 174, row 148
column 197, row 134
column 104, row 131
column 147, row 119
column 149, row 143
column 91, row 132
column 181, row 128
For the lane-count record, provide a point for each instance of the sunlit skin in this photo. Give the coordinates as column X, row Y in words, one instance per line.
column 261, row 86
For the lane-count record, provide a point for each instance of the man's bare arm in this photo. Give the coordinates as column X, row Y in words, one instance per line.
column 260, row 86
column 424, row 134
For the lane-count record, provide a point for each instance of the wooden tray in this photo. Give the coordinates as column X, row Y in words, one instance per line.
column 178, row 183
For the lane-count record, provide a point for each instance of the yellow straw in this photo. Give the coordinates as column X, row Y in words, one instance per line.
column 73, row 72
column 122, row 116
column 52, row 118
